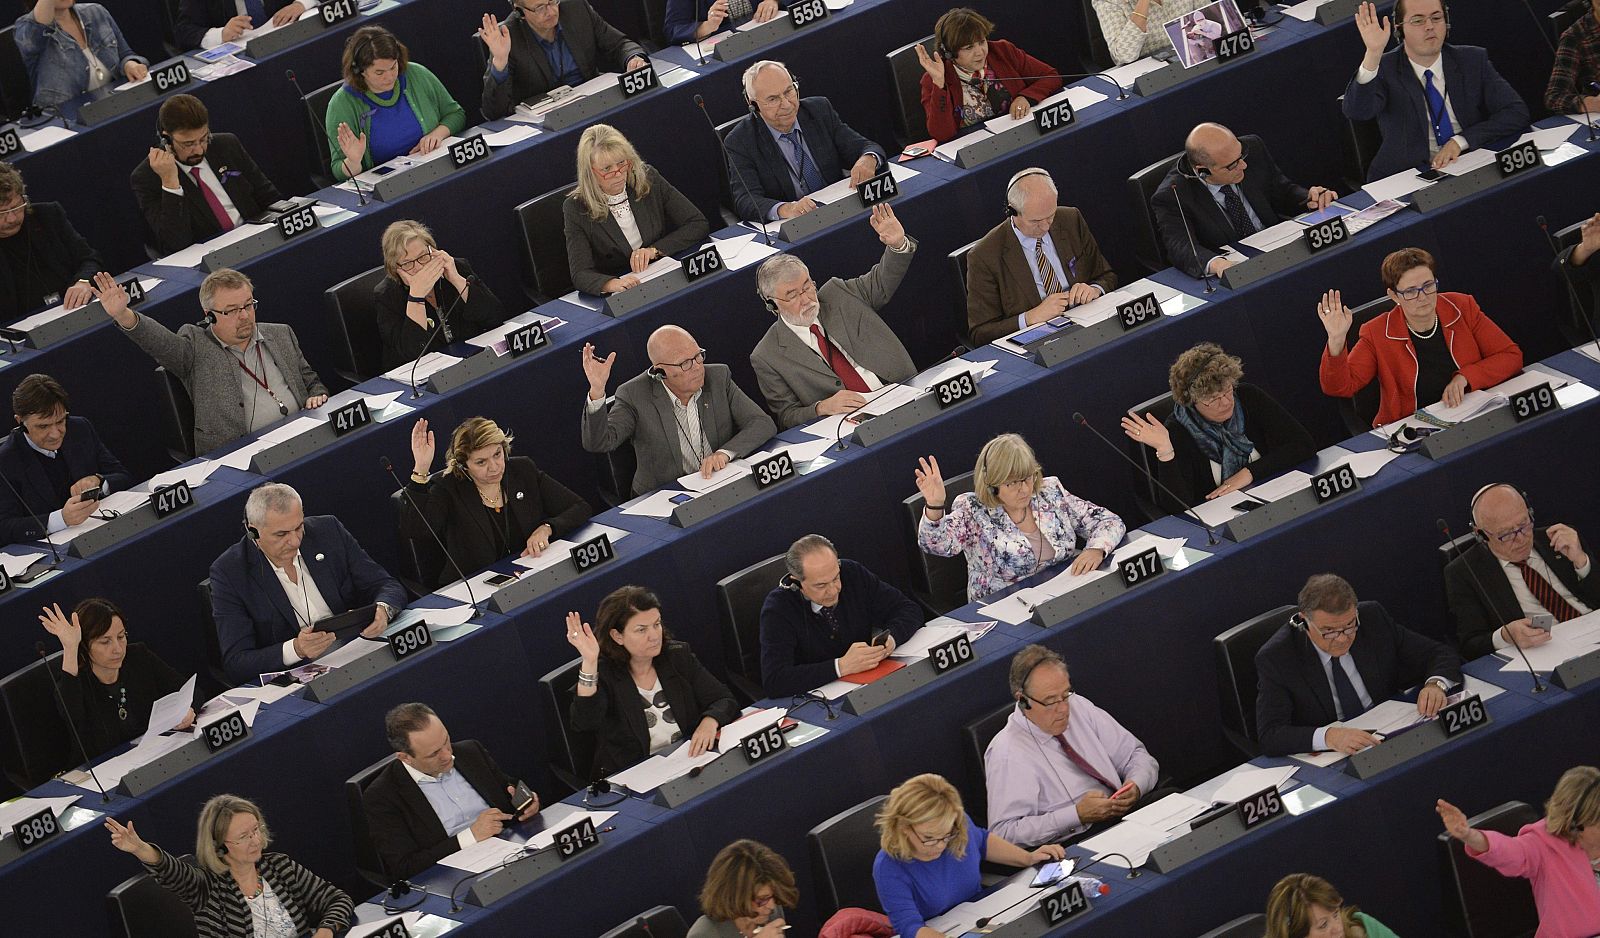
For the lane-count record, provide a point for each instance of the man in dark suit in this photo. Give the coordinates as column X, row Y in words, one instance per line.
column 204, row 24
column 197, row 185
column 49, row 461
column 819, row 623
column 789, row 147
column 1521, row 571
column 287, row 573
column 1230, row 188
column 43, row 259
column 1035, row 265
column 1333, row 661
column 1575, row 264
column 545, row 44
column 829, row 346
column 437, row 796
column 681, row 414
column 1424, row 120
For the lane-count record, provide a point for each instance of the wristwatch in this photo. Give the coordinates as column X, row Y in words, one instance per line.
column 388, row 610
column 1440, row 683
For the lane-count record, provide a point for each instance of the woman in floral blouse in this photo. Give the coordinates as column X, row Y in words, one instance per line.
column 1016, row 522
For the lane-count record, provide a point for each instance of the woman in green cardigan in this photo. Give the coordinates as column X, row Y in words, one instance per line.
column 366, row 123
column 1305, row 906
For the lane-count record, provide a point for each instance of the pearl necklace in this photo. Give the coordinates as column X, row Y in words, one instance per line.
column 1431, row 330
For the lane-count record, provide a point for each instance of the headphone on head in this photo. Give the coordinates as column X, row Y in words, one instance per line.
column 768, row 302
column 1583, row 799
column 1031, row 171
column 656, row 372
column 251, row 530
column 1297, row 621
column 1021, row 695
column 793, row 80
column 1399, row 25
column 788, row 582
column 1472, row 507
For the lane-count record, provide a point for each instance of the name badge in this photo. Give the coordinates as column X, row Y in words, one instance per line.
column 36, row 829
column 954, row 653
column 763, row 744
column 469, row 151
column 395, row 929
column 1260, row 808
column 336, row 10
column 1064, row 904
column 1139, row 312
column 1048, row 117
column 225, row 732
column 773, row 470
column 879, row 188
column 10, row 140
column 297, row 222
column 1326, row 235
column 1338, row 481
column 637, row 81
column 350, row 417
column 1533, row 402
column 170, row 76
column 174, row 497
column 1136, row 570
column 1465, row 714
column 135, row 291
column 953, row 391
column 707, row 260
column 1235, row 44
column 524, row 339
column 1518, row 159
column 807, row 12
column 593, row 552
column 413, row 638
column 571, row 841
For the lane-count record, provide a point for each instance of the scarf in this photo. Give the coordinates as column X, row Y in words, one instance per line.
column 1224, row 443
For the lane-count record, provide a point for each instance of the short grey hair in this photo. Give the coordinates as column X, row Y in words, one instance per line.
column 803, row 548
column 1326, row 592
column 750, row 74
column 265, row 499
column 225, row 279
column 1015, row 196
column 1029, row 660
column 776, row 270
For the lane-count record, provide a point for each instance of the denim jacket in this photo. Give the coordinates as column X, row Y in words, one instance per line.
column 56, row 63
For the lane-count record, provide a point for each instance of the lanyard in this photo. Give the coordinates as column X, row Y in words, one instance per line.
column 282, row 408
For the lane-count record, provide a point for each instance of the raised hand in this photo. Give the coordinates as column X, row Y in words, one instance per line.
column 67, row 632
column 422, row 447
column 1375, row 32
column 498, row 39
column 113, row 298
column 888, row 227
column 930, row 482
column 353, row 147
column 126, row 839
column 1149, row 431
column 1336, row 319
column 930, row 64
column 1455, row 824
column 580, row 635
column 597, row 370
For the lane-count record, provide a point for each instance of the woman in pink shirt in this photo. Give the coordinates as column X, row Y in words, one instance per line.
column 1558, row 856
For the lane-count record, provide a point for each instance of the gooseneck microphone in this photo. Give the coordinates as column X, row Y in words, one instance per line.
column 1080, row 420
column 1122, row 91
column 416, row 389
column 44, row 530
column 388, row 467
column 311, row 116
column 1205, row 269
column 1538, row 685
column 727, row 161
column 72, row 724
column 1566, row 278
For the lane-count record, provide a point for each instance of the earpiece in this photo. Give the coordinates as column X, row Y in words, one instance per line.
column 788, row 582
column 768, row 302
column 1031, row 171
column 209, row 319
column 253, row 531
column 942, row 50
column 656, row 372
column 1022, row 699
column 222, row 848
column 1298, row 622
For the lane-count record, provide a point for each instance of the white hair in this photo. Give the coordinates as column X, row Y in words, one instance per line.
column 271, row 497
column 1015, row 196
column 776, row 270
column 754, row 70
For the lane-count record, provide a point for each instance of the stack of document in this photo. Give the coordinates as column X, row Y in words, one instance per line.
column 842, row 189
column 1355, row 222
column 656, row 771
column 191, row 255
column 430, row 363
column 288, row 430
column 50, row 134
column 560, row 550
column 1568, row 640
column 1476, row 403
column 1018, row 607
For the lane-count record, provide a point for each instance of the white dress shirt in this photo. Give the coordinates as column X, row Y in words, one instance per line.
column 1519, row 588
column 692, row 442
column 804, row 333
column 1364, row 75
column 452, row 799
column 211, row 179
column 304, row 598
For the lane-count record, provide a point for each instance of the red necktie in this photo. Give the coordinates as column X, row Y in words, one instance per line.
column 1546, row 594
column 841, row 366
column 223, row 221
column 1083, row 763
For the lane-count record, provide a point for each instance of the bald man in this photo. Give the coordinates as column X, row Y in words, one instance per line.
column 681, row 414
column 1038, row 263
column 1230, row 189
column 1525, row 571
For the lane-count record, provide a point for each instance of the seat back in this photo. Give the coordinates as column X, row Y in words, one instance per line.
column 368, row 863
column 1142, row 187
column 905, row 76
column 208, row 634
column 663, row 921
column 168, row 11
column 316, row 108
column 571, row 753
column 1455, row 548
column 1479, row 902
column 842, row 850
column 16, row 87
column 1253, row 925
column 1145, row 492
column 1560, row 20
column 1574, row 327
column 739, row 599
column 421, row 561
column 725, row 187
column 940, row 582
column 1359, row 411
column 140, row 907
column 177, row 415
column 1099, row 58
column 958, row 264
column 1361, row 142
column 361, row 347
column 35, row 741
column 655, row 22
column 1236, row 673
column 544, row 245
column 616, row 469
column 977, row 735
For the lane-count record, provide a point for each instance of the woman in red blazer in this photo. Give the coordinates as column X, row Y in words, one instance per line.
column 1430, row 347
column 973, row 80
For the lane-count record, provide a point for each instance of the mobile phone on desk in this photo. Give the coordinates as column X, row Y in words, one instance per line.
column 1430, row 174
column 1543, row 621
column 1054, row 872
column 915, row 151
column 499, row 579
column 522, row 797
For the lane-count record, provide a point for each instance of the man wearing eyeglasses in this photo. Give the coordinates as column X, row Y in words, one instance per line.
column 544, row 44
column 1060, row 763
column 1334, row 660
column 43, row 259
column 1521, row 571
column 1433, row 101
column 197, row 184
column 681, row 414
column 241, row 375
column 1222, row 189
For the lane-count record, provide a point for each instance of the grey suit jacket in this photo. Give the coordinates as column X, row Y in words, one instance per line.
column 211, row 373
column 598, row 250
column 794, row 378
column 643, row 414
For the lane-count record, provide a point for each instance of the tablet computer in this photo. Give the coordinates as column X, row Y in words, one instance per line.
column 346, row 624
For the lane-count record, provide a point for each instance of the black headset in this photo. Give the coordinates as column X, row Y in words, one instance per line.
column 1022, row 693
column 768, row 302
column 1472, row 507
column 1583, row 799
column 793, row 80
column 656, row 372
column 252, row 531
column 1031, row 171
column 788, row 582
column 1399, row 26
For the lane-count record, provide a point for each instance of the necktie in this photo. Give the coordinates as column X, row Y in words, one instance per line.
column 1047, row 273
column 1083, row 764
column 1437, row 115
column 1345, row 691
column 830, row 615
column 215, row 204
column 1233, row 206
column 841, row 366
column 810, row 176
column 1546, row 594
column 256, row 12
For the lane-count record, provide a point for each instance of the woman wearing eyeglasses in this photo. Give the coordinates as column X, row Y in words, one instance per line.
column 429, row 298
column 1306, row 906
column 1015, row 522
column 234, row 887
column 930, row 853
column 1430, row 347
column 623, row 215
column 639, row 692
column 1223, row 435
column 747, row 887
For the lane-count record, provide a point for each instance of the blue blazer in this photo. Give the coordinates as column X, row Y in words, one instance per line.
column 85, row 456
column 1485, row 104
column 797, row 649
column 761, row 177
column 253, row 615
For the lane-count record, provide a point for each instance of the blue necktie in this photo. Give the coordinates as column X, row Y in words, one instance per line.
column 1349, row 700
column 1437, row 115
column 808, row 172
column 256, row 12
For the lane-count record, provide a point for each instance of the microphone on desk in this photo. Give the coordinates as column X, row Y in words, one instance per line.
column 388, row 466
column 727, row 162
column 1080, row 420
column 311, row 115
column 416, row 389
column 1538, row 685
column 1566, row 278
column 72, row 724
column 1122, row 91
column 983, row 923
column 31, row 574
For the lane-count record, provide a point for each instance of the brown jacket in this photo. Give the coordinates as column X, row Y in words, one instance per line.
column 1000, row 283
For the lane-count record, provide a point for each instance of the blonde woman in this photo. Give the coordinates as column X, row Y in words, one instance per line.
column 623, row 215
column 930, row 852
column 235, row 887
column 1306, row 906
column 486, row 504
column 424, row 285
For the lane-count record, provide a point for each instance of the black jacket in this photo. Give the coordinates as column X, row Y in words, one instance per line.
column 1476, row 619
column 92, row 706
column 598, row 250
column 762, row 176
column 1280, row 439
column 177, row 221
column 596, row 46
column 404, row 828
column 403, row 339
column 53, row 256
column 1273, row 196
column 197, row 16
column 797, row 648
column 615, row 713
column 84, row 454
column 451, row 504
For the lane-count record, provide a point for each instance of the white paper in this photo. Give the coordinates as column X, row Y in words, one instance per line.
column 732, row 472
column 559, row 550
column 842, row 188
column 1469, row 161
column 1472, row 404
column 1164, row 546
column 559, row 817
column 1168, row 813
column 411, row 919
column 1402, row 183
column 17, row 564
column 13, row 812
column 435, row 617
column 948, row 370
column 1249, row 780
column 353, row 650
column 1567, row 640
column 658, row 504
column 212, row 712
column 1220, row 510
column 1567, row 151
column 1574, row 394
column 1321, row 760
column 169, row 711
column 656, row 771
column 1134, row 841
column 35, row 140
column 659, row 267
column 1550, row 137
column 59, row 310
column 1387, row 717
column 918, row 645
column 741, row 251
column 833, row 690
column 835, row 6
column 430, row 363
column 1304, row 11
column 263, row 695
column 330, row 215
column 947, row 151
column 1366, row 465
column 1079, row 97
column 1275, row 236
column 733, row 735
column 1125, row 75
column 505, row 138
column 482, row 856
column 802, row 453
column 195, row 474
column 479, row 588
column 879, row 402
column 1360, row 220
column 191, row 255
column 110, row 772
column 1287, row 484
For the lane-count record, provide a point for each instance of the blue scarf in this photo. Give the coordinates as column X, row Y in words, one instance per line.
column 1224, row 443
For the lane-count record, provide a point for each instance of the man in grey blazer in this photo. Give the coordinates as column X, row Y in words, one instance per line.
column 681, row 414
column 544, row 44
column 829, row 347
column 241, row 375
